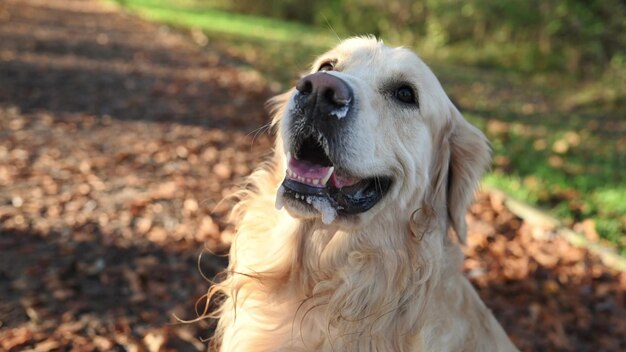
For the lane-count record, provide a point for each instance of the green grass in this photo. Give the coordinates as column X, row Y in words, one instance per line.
column 191, row 15
column 558, row 143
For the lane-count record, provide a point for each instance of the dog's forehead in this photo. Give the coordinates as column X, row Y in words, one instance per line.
column 368, row 53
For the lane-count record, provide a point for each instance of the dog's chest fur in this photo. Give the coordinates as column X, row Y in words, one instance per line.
column 347, row 292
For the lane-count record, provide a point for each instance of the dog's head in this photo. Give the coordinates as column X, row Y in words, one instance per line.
column 370, row 130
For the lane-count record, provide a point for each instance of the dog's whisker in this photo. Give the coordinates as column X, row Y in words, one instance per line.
column 331, row 28
column 258, row 131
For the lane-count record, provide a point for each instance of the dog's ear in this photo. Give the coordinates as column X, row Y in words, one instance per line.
column 470, row 156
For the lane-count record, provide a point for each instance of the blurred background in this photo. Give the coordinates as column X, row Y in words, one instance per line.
column 124, row 123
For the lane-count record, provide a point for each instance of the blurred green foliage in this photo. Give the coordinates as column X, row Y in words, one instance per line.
column 582, row 36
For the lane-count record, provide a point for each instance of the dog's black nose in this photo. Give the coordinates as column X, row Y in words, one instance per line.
column 325, row 92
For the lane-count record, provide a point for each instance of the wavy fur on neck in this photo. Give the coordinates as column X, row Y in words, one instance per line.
column 308, row 287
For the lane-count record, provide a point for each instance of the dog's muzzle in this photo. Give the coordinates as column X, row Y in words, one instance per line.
column 317, row 179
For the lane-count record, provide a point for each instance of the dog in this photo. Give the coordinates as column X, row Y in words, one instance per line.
column 348, row 238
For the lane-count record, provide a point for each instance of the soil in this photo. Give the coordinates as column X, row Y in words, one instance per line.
column 118, row 140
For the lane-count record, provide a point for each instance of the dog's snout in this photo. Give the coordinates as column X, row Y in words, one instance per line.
column 324, row 92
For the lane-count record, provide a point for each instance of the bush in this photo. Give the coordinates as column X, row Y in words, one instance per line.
column 580, row 36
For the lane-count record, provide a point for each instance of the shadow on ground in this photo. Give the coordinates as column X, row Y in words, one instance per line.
column 106, row 63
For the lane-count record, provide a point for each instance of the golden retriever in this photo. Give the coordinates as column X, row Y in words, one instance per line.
column 342, row 241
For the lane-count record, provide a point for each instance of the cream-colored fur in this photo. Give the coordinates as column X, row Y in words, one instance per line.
column 391, row 280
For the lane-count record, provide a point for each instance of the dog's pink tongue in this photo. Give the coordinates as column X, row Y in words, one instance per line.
column 307, row 172
column 316, row 175
column 340, row 181
column 307, row 169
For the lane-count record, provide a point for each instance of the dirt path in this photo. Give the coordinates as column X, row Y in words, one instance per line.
column 118, row 138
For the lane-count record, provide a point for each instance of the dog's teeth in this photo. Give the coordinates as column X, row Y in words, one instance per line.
column 316, row 181
column 325, row 179
column 308, row 180
column 308, row 200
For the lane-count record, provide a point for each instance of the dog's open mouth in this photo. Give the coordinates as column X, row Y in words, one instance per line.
column 314, row 181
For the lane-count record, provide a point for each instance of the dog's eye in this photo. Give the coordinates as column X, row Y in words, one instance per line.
column 326, row 66
column 406, row 94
